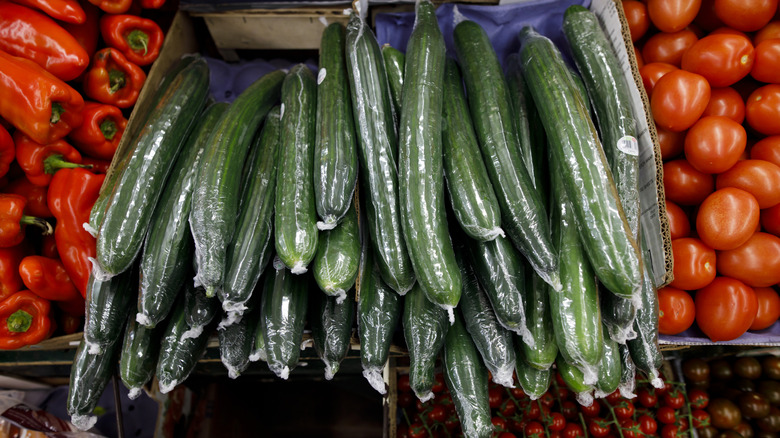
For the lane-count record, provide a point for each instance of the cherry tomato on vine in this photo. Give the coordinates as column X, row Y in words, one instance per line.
column 727, row 218
column 647, row 424
column 647, row 397
column 756, row 262
column 768, row 308
column 698, row 398
column 757, row 177
column 599, row 427
column 507, row 435
column 624, row 409
column 694, row 263
column 569, row 410
column 533, row 411
column 677, row 312
column 556, row 422
column 672, row 15
column 499, row 424
column 725, row 308
column 629, row 428
column 666, row 415
column 438, row 384
column 668, row 47
column 495, row 397
column 437, row 414
column 679, row 98
column 547, row 399
column 534, row 428
column 637, row 18
column 592, row 410
column 723, row 59
column 573, row 430
column 670, row 431
column 700, row 418
column 402, row 384
column 417, row 430
column 614, row 397
column 675, row 399
column 762, row 109
column 767, row 149
column 745, row 15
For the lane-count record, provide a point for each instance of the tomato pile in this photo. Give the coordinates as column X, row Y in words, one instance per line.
column 711, row 69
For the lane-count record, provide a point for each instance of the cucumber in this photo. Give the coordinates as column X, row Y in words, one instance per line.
column 215, row 197
column 644, row 348
column 610, row 372
column 493, row 341
column 138, row 356
column 425, row 327
column 377, row 140
column 335, row 151
column 523, row 215
column 108, row 304
column 338, row 256
column 236, row 339
column 575, row 380
column 151, row 158
column 587, row 179
column 200, row 309
column 248, row 254
column 258, row 346
column 533, row 380
column 168, row 248
column 331, row 329
column 618, row 315
column 627, row 373
column 471, row 193
column 283, row 315
column 538, row 319
column 394, row 65
column 467, row 379
column 89, row 376
column 295, row 216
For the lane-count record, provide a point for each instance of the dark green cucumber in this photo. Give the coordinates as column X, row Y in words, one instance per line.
column 523, row 105
column 618, row 315
column 471, row 193
column 610, row 370
column 138, row 357
column 533, row 380
column 377, row 140
column 604, row 232
column 89, row 376
column 248, row 254
column 467, row 379
column 200, row 309
column 168, row 248
column 258, row 346
column 493, row 341
column 283, row 315
column 335, row 149
column 580, row 86
column 151, row 158
column 338, row 256
column 523, row 215
column 215, row 197
column 331, row 329
column 108, row 304
column 501, row 272
column 644, row 348
column 236, row 338
column 538, row 319
column 627, row 373
column 295, row 216
column 394, row 65
column 575, row 380
column 425, row 326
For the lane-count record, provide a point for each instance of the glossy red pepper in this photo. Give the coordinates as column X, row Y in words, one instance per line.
column 37, row 204
column 47, row 278
column 113, row 79
column 40, row 162
column 98, row 165
column 68, row 11
column 49, row 247
column 113, row 6
column 87, row 33
column 35, row 102
column 24, row 320
column 13, row 220
column 99, row 134
column 72, row 193
column 29, row 34
column 7, row 151
column 152, row 4
column 139, row 39
column 10, row 280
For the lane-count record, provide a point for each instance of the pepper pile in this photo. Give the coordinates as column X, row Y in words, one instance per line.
column 63, row 111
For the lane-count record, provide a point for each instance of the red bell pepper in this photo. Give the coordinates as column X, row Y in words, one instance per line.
column 68, row 11
column 72, row 193
column 113, row 79
column 29, row 34
column 7, row 151
column 49, row 247
column 40, row 162
column 47, row 278
column 13, row 220
column 98, row 166
column 152, row 4
column 99, row 134
column 74, row 307
column 139, row 39
column 87, row 33
column 36, row 197
column 10, row 258
column 113, row 6
column 35, row 102
column 24, row 320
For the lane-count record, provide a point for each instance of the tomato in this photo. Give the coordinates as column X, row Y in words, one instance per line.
column 672, row 15
column 668, row 47
column 756, row 262
column 722, row 59
column 762, row 109
column 507, row 435
column 694, row 264
column 534, row 428
column 652, row 72
column 768, row 32
column 725, row 308
column 647, row 424
column 647, row 397
column 726, row 102
column 745, row 15
column 533, row 411
column 724, row 414
column 758, row 177
column 766, row 67
column 676, row 311
column 592, row 410
column 770, row 220
column 417, row 430
column 727, row 218
column 698, row 398
column 624, row 409
column 438, row 384
column 666, row 415
column 675, row 399
column 706, row 18
column 599, row 427
column 714, row 144
column 638, row 55
column 679, row 98
column 569, row 410
column 405, row 399
column 508, row 408
column 679, row 225
column 768, row 149
column 573, row 430
column 768, row 308
column 499, row 424
column 495, row 397
column 402, row 384
column 557, row 421
column 637, row 18
column 670, row 431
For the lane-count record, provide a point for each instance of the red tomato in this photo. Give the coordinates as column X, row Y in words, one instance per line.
column 624, row 409
column 647, row 424
column 757, row 177
column 557, row 421
column 679, row 225
column 672, row 15
column 647, row 397
column 629, row 428
column 671, row 143
column 714, row 144
column 679, row 98
column 745, row 15
column 707, row 19
column 495, row 397
column 676, row 311
column 508, row 408
column 727, row 218
column 573, row 430
column 534, row 428
column 766, row 67
column 569, row 410
column 599, row 427
column 700, row 418
column 674, row 399
column 670, row 431
column 768, row 149
column 756, row 262
column 762, row 109
column 507, row 435
column 438, row 384
column 726, row 102
column 592, row 410
column 652, row 72
column 437, row 414
column 768, row 308
column 637, row 18
column 685, row 185
column 725, row 309
column 698, row 398
column 694, row 263
column 668, row 47
column 638, row 55
column 499, row 424
column 417, row 430
column 666, row 415
column 768, row 32
column 770, row 220
column 403, row 383
column 722, row 59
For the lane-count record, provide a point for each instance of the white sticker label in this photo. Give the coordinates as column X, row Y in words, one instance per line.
column 281, row 111
column 321, row 75
column 628, row 145
column 324, row 21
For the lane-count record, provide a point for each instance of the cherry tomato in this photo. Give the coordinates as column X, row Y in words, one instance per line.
column 694, row 263
column 698, row 399
column 405, row 399
column 679, row 225
column 762, row 109
column 676, row 311
column 757, row 177
column 557, row 422
column 770, row 220
column 417, row 430
column 534, row 428
column 745, row 15
column 437, row 414
column 670, row 431
column 402, row 384
column 768, row 149
column 653, row 71
column 495, row 397
column 499, row 424
column 666, row 415
column 668, row 47
column 714, row 144
column 647, row 424
column 637, row 18
column 452, row 422
column 768, row 32
column 679, row 98
column 563, row 392
column 672, row 15
column 533, row 411
column 507, row 435
column 722, row 59
column 438, row 384
column 727, row 218
column 573, row 430
column 674, row 399
column 756, row 262
column 569, row 410
column 647, row 397
column 766, row 67
column 547, row 399
column 726, row 102
column 624, row 409
column 685, row 185
column 599, row 427
column 592, row 410
column 725, row 309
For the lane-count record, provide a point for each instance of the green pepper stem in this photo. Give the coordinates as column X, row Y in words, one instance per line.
column 137, row 40
column 37, row 222
column 116, row 80
column 108, row 128
column 53, row 163
column 56, row 112
column 19, row 322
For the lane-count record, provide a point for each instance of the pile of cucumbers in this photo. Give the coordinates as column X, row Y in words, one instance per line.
column 318, row 201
